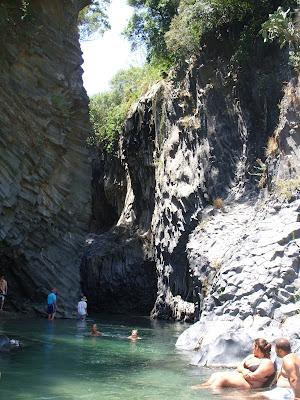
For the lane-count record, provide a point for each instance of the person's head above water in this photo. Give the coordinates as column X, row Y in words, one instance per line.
column 282, row 347
column 94, row 331
column 134, row 333
column 261, row 348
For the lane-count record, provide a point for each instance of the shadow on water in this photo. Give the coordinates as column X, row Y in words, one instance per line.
column 60, row 361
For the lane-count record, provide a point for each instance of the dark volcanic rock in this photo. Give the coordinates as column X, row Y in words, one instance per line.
column 118, row 269
column 44, row 169
column 191, row 140
column 116, row 275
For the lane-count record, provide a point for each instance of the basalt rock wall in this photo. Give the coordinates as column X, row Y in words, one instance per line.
column 200, row 186
column 44, row 167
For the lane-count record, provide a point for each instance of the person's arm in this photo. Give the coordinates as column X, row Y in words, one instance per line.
column 291, row 372
column 265, row 369
column 241, row 368
column 5, row 288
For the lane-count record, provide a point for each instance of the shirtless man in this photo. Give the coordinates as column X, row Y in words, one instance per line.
column 3, row 291
column 288, row 379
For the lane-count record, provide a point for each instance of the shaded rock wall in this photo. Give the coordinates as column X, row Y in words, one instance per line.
column 118, row 269
column 44, row 168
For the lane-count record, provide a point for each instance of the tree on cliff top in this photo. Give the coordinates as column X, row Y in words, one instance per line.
column 149, row 23
column 177, row 28
column 108, row 110
column 93, row 19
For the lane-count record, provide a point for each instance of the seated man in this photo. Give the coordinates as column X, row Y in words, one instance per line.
column 288, row 380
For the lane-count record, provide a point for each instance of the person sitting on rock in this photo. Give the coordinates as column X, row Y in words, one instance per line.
column 255, row 371
column 134, row 335
column 94, row 331
column 288, row 379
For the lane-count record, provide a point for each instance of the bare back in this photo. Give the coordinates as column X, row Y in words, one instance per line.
column 289, row 375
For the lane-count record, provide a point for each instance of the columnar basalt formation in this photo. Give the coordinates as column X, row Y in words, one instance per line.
column 44, row 167
column 194, row 154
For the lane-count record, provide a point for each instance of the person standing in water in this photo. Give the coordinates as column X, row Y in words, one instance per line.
column 51, row 304
column 82, row 308
column 3, row 291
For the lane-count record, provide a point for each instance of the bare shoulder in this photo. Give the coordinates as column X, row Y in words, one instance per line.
column 267, row 362
column 290, row 360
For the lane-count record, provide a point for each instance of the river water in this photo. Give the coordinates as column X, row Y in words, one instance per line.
column 59, row 361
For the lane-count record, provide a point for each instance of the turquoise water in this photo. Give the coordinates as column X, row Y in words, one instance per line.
column 60, row 362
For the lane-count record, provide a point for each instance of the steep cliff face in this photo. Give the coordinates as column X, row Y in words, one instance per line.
column 44, row 169
column 118, row 268
column 193, row 141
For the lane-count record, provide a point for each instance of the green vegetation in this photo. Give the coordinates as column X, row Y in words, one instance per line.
column 281, row 27
column 261, row 171
column 149, row 23
column 108, row 110
column 174, row 29
column 13, row 12
column 93, row 19
column 286, row 189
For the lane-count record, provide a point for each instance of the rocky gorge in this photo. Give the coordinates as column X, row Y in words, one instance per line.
column 211, row 163
column 196, row 216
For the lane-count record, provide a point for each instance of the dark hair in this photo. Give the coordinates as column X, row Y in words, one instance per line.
column 263, row 346
column 283, row 344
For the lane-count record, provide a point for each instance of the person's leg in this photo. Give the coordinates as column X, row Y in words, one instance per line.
column 210, row 381
column 231, row 379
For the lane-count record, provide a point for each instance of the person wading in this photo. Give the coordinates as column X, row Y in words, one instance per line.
column 3, row 291
column 51, row 302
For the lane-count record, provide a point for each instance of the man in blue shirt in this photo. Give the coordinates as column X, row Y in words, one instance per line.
column 51, row 301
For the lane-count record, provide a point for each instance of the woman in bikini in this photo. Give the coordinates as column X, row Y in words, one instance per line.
column 255, row 371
